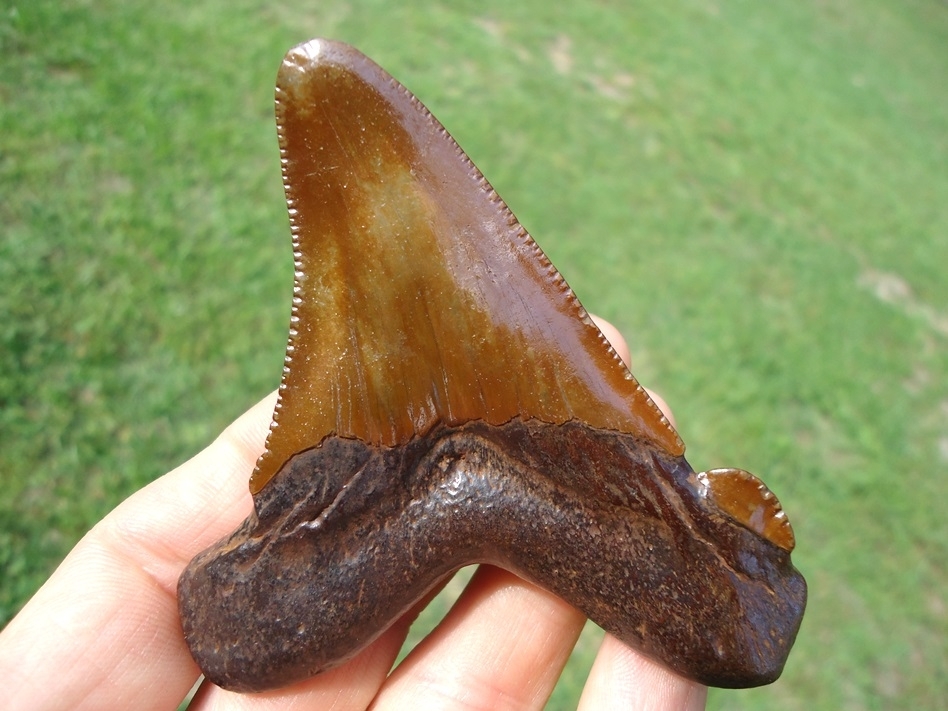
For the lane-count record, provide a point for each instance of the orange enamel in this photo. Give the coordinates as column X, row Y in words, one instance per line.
column 418, row 296
column 748, row 501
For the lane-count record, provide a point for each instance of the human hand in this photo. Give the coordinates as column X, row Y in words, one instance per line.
column 103, row 632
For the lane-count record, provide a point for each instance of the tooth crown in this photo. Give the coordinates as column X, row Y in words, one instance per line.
column 418, row 296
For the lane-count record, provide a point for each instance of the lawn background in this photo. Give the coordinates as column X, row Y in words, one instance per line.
column 756, row 194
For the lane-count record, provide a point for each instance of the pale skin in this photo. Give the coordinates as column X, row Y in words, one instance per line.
column 103, row 632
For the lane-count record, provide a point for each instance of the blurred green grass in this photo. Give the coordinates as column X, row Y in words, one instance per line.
column 755, row 193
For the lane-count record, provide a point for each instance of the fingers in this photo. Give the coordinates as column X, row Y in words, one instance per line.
column 623, row 679
column 502, row 645
column 168, row 522
column 103, row 632
column 346, row 688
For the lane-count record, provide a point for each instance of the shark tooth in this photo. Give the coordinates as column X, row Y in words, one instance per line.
column 447, row 400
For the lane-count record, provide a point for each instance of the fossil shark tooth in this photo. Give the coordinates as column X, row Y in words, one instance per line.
column 447, row 400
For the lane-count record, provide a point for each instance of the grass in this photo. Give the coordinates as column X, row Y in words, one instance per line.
column 755, row 193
